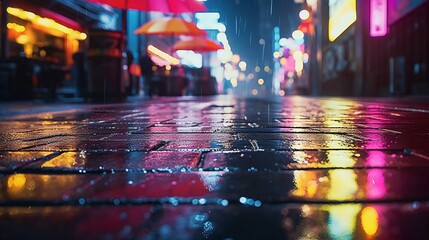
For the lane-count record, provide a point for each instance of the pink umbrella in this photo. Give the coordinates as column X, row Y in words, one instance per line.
column 165, row 6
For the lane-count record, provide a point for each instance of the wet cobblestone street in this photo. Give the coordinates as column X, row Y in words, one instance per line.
column 217, row 168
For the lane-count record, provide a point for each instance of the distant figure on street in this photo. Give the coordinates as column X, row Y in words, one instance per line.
column 130, row 60
column 79, row 73
column 146, row 65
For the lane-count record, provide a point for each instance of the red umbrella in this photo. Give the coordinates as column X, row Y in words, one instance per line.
column 197, row 45
column 165, row 6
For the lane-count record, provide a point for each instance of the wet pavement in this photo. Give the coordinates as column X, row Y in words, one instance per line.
column 216, row 168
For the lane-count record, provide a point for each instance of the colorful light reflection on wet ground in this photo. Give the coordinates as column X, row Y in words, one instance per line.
column 219, row 167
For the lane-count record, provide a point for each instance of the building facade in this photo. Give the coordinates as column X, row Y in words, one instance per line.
column 372, row 48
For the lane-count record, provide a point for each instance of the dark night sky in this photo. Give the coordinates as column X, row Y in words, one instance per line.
column 249, row 20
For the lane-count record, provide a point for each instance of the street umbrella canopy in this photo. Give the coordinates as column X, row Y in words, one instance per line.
column 170, row 27
column 197, row 45
column 165, row 6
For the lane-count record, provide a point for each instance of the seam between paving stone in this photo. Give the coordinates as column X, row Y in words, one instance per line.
column 58, row 171
column 179, row 201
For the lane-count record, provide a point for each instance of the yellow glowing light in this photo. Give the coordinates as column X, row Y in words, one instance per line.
column 45, row 22
column 283, row 61
column 257, row 69
column 168, row 67
column 261, row 81
column 16, row 27
column 16, row 181
column 369, row 220
column 243, row 66
column 235, row 58
column 342, row 14
column 82, row 36
column 276, row 54
column 255, row 92
column 267, row 69
column 173, row 61
column 23, row 39
column 234, row 82
column 68, row 159
column 28, row 50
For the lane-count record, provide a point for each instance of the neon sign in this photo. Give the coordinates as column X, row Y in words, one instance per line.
column 378, row 18
column 342, row 14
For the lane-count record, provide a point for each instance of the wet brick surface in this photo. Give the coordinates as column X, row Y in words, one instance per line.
column 217, row 168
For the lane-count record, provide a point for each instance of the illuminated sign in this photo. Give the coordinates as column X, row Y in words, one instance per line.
column 207, row 20
column 378, row 20
column 342, row 14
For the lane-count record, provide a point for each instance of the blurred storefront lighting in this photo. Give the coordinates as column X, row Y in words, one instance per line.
column 235, row 58
column 190, row 58
column 221, row 37
column 297, row 55
column 16, row 27
column 22, row 39
column 152, row 49
column 47, row 23
column 242, row 65
column 305, row 57
column 283, row 42
column 221, row 27
column 276, row 54
column 224, row 55
column 267, row 69
column 304, row 14
column 297, row 35
column 261, row 81
column 208, row 20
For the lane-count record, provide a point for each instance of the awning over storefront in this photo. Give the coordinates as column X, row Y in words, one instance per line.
column 76, row 14
column 69, row 19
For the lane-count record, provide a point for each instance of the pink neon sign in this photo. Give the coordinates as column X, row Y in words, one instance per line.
column 378, row 15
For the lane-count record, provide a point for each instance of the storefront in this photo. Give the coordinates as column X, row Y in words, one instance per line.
column 41, row 42
column 373, row 47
